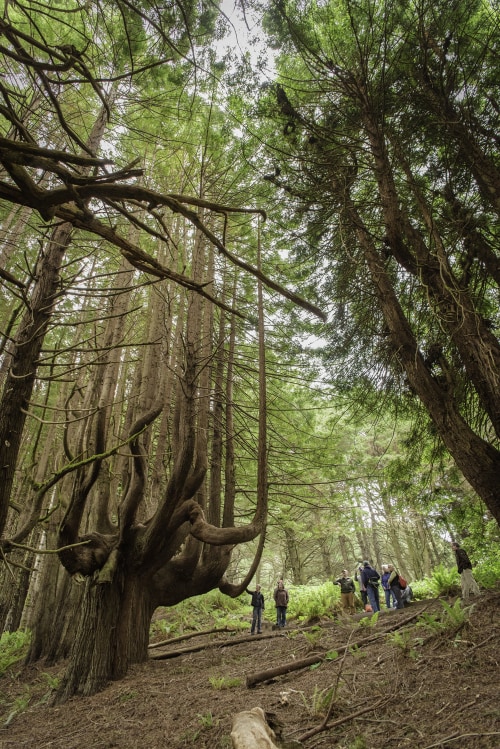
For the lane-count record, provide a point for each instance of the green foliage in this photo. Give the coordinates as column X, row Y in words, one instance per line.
column 487, row 571
column 224, row 682
column 405, row 640
column 126, row 696
column 313, row 636
column 455, row 615
column 444, row 580
column 358, row 743
column 452, row 617
column 13, row 648
column 209, row 611
column 332, row 655
column 369, row 621
column 311, row 601
column 52, row 681
column 207, row 720
column 19, row 705
column 319, row 701
column 357, row 652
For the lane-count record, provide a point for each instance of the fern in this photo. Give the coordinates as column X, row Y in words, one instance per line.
column 444, row 580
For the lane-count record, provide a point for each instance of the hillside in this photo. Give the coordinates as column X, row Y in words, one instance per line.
column 420, row 687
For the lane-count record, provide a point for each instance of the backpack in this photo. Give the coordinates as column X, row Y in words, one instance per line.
column 402, row 582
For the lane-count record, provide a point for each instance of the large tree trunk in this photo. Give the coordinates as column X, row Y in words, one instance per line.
column 478, row 460
column 112, row 633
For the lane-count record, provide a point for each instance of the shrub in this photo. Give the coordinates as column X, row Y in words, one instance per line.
column 13, row 648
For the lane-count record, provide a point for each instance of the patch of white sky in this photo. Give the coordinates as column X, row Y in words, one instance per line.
column 245, row 36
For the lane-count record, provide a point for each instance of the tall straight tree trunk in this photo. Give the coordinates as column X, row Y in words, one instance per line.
column 478, row 460
column 14, row 403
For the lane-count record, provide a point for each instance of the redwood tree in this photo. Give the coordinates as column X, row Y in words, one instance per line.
column 386, row 144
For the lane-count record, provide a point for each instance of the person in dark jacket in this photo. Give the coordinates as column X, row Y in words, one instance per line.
column 464, row 567
column 371, row 579
column 347, row 590
column 395, row 586
column 257, row 604
column 281, row 601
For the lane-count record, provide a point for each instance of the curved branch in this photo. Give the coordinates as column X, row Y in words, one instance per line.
column 135, row 492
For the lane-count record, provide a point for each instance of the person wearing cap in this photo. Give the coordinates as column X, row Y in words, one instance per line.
column 257, row 604
column 347, row 590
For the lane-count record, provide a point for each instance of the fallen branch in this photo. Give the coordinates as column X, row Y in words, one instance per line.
column 456, row 735
column 214, row 644
column 189, row 636
column 327, row 726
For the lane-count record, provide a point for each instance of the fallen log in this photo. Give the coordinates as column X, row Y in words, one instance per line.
column 271, row 673
column 190, row 636
column 213, row 644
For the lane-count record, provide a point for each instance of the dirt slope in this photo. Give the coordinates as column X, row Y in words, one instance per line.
column 442, row 691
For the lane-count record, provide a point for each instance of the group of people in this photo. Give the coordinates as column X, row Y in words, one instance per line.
column 396, row 590
column 281, row 599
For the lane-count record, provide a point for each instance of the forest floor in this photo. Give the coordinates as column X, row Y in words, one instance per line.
column 421, row 687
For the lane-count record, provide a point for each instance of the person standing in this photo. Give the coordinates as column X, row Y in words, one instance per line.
column 347, row 590
column 464, row 567
column 281, row 601
column 257, row 604
column 280, row 580
column 390, row 598
column 395, row 586
column 371, row 580
column 362, row 586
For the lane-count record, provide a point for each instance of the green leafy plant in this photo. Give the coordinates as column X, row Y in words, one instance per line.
column 406, row 641
column 13, row 648
column 319, row 702
column 19, row 705
column 207, row 720
column 401, row 638
column 452, row 617
column 369, row 621
column 444, row 581
column 224, row 682
column 313, row 636
column 126, row 696
column 332, row 655
column 357, row 652
column 52, row 681
column 455, row 615
column 312, row 601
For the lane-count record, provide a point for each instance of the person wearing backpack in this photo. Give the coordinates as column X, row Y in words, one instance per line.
column 371, row 580
column 395, row 585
